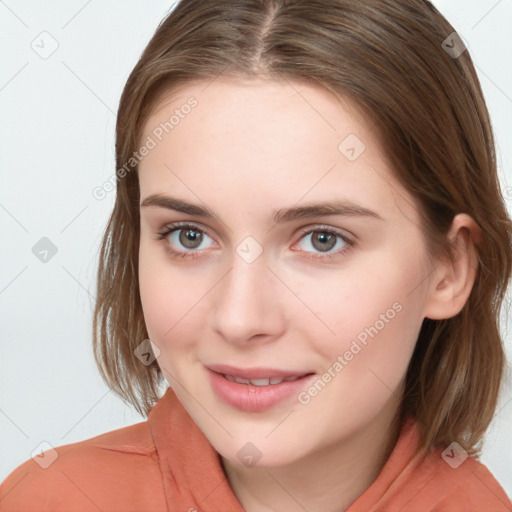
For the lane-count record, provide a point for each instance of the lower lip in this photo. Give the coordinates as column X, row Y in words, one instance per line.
column 255, row 398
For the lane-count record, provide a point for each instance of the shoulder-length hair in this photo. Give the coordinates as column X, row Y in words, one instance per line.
column 403, row 64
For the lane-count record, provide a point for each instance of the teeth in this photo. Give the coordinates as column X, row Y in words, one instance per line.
column 242, row 381
column 260, row 382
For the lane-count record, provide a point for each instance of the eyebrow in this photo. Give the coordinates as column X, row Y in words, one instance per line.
column 344, row 208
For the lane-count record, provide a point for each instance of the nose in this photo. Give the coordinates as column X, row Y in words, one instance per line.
column 247, row 304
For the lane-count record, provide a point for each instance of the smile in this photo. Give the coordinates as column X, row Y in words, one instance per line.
column 256, row 389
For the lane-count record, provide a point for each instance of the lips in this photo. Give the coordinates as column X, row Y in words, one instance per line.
column 256, row 389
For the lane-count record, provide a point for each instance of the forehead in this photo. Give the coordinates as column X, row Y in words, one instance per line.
column 260, row 101
column 283, row 140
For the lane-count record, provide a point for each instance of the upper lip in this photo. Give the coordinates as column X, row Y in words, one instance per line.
column 255, row 373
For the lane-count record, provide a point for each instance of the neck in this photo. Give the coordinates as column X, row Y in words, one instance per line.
column 328, row 480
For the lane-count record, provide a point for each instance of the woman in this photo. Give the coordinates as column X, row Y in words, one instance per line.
column 309, row 244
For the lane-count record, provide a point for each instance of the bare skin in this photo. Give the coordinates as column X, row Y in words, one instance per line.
column 245, row 150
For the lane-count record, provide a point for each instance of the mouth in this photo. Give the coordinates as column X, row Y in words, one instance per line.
column 256, row 389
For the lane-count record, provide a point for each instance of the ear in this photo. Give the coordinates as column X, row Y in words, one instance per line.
column 452, row 281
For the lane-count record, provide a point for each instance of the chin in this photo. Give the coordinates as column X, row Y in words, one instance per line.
column 251, row 452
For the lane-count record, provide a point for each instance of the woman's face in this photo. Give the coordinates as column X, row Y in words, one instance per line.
column 269, row 284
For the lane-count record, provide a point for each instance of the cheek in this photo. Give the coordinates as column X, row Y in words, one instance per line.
column 374, row 319
column 161, row 301
column 171, row 297
column 366, row 359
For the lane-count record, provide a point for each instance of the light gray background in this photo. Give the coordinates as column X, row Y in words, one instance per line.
column 57, row 145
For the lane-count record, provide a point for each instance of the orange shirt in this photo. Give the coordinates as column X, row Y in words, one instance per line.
column 167, row 464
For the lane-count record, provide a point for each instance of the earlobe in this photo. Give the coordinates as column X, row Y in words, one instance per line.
column 452, row 281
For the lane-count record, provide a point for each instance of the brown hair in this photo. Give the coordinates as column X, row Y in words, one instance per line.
column 388, row 57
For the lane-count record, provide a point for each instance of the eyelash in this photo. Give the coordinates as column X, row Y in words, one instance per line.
column 178, row 226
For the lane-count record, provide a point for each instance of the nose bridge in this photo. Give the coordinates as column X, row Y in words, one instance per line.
column 246, row 302
column 243, row 287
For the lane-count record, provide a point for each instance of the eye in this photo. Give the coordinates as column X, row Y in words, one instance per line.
column 183, row 235
column 190, row 237
column 324, row 239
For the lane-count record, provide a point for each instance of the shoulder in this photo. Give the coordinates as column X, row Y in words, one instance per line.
column 456, row 483
column 88, row 475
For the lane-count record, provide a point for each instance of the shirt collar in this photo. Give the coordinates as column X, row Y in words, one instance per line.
column 191, row 467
